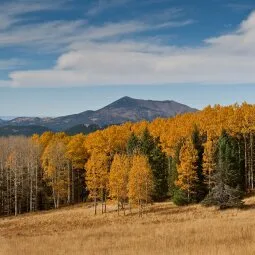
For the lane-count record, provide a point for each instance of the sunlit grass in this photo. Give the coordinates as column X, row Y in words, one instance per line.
column 164, row 229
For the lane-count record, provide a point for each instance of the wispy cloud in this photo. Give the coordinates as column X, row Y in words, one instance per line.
column 225, row 59
column 12, row 12
column 58, row 35
column 88, row 54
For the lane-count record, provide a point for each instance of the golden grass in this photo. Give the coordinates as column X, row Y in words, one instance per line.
column 165, row 229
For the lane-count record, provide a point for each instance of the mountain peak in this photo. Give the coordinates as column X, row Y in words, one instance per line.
column 120, row 111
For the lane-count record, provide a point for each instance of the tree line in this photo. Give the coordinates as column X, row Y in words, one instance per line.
column 207, row 157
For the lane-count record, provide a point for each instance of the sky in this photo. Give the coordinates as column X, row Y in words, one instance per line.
column 67, row 56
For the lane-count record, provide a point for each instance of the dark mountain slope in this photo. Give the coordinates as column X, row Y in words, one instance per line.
column 122, row 110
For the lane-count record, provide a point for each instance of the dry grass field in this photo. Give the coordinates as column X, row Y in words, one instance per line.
column 165, row 229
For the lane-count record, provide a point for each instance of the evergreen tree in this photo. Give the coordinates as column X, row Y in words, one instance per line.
column 201, row 189
column 228, row 182
column 172, row 170
column 227, row 161
column 150, row 147
column 133, row 144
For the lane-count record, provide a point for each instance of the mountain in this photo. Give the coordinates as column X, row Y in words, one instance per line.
column 81, row 128
column 122, row 110
column 22, row 130
column 6, row 118
column 2, row 122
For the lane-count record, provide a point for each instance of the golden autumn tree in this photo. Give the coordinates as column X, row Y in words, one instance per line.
column 187, row 169
column 56, row 169
column 45, row 138
column 141, row 183
column 118, row 179
column 209, row 163
column 97, row 177
column 77, row 156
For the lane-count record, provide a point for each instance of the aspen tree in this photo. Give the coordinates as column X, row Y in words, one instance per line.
column 118, row 179
column 187, row 169
column 209, row 163
column 55, row 166
column 141, row 183
column 77, row 156
column 97, row 177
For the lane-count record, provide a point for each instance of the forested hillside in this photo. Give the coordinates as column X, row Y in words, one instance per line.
column 207, row 157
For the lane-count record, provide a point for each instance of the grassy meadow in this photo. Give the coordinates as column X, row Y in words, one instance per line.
column 163, row 229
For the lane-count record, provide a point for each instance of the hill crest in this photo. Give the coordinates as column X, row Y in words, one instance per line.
column 120, row 111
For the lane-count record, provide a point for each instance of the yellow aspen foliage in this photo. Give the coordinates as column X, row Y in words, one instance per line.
column 141, row 183
column 45, row 138
column 108, row 141
column 55, row 166
column 187, row 169
column 97, row 175
column 209, row 163
column 118, row 180
column 76, row 152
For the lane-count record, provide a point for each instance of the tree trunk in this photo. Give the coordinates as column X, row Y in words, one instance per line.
column 245, row 163
column 95, row 204
column 15, row 193
column 72, row 184
column 251, row 166
column 118, row 206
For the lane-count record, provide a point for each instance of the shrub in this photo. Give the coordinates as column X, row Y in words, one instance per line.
column 180, row 198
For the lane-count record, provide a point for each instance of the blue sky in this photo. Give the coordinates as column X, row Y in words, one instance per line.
column 66, row 56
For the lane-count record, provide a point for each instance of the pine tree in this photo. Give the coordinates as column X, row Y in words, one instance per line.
column 149, row 146
column 133, row 144
column 173, row 162
column 201, row 189
column 227, row 190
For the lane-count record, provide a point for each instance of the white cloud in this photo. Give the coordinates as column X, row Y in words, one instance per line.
column 226, row 59
column 48, row 78
column 57, row 35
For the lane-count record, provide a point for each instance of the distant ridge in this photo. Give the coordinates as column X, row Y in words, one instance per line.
column 123, row 110
column 22, row 130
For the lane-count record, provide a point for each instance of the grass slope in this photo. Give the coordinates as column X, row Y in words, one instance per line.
column 165, row 229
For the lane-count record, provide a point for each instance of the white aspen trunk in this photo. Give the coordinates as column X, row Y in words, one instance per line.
column 36, row 187
column 245, row 163
column 69, row 185
column 72, row 184
column 15, row 193
column 31, row 189
column 251, row 166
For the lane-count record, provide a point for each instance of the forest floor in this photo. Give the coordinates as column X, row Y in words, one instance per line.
column 163, row 229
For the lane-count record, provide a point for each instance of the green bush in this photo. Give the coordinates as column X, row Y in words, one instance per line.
column 180, row 198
